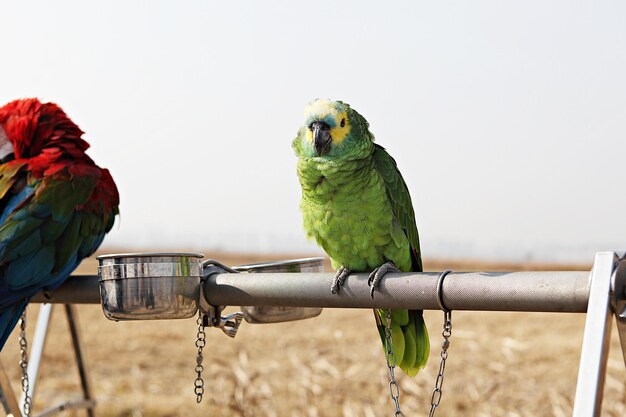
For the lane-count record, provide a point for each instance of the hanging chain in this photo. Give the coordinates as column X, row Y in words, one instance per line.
column 445, row 344
column 24, row 365
column 200, row 344
column 394, row 388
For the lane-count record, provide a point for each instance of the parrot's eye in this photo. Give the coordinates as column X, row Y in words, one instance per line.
column 343, row 123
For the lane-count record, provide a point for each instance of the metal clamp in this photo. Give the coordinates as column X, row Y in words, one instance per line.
column 618, row 286
column 618, row 301
column 442, row 306
column 211, row 315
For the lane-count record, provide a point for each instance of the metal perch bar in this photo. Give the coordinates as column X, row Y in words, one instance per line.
column 556, row 291
column 601, row 293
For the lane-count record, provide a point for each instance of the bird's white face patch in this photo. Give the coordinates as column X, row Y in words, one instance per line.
column 321, row 109
column 6, row 147
column 328, row 110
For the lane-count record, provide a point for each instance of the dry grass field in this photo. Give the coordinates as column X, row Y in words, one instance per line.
column 500, row 364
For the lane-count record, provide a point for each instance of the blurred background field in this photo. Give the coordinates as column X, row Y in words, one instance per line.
column 500, row 364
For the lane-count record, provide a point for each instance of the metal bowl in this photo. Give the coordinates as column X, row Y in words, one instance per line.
column 147, row 286
column 265, row 314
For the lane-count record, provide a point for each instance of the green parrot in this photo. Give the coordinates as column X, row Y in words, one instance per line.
column 357, row 207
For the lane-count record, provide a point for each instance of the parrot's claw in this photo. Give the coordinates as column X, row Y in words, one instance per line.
column 340, row 277
column 376, row 276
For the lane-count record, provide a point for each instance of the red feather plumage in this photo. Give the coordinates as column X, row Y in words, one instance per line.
column 43, row 135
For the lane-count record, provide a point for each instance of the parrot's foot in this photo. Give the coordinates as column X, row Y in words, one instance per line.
column 340, row 277
column 377, row 276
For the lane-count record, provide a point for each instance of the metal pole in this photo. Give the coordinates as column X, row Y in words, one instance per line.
column 85, row 380
column 495, row 291
column 78, row 289
column 70, row 405
column 554, row 291
column 592, row 371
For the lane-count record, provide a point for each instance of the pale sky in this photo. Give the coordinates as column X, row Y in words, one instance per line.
column 507, row 119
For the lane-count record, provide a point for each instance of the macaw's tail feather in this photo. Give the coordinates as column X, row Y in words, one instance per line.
column 8, row 319
column 411, row 345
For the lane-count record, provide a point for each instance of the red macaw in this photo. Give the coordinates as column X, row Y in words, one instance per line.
column 56, row 204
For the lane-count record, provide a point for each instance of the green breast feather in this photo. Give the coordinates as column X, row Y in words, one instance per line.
column 346, row 210
column 357, row 207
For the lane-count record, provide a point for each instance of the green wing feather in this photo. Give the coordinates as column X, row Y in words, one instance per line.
column 411, row 344
column 400, row 201
column 8, row 176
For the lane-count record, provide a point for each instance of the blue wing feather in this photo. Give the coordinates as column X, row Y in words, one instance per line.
column 41, row 243
column 16, row 200
column 31, row 270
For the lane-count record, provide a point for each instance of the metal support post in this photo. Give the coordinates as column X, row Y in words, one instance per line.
column 596, row 337
column 85, row 380
column 7, row 397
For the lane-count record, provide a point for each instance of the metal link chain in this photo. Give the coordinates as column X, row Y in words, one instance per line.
column 200, row 344
column 435, row 399
column 445, row 344
column 24, row 365
column 394, row 388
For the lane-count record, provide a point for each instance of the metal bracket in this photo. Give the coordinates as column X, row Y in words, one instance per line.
column 619, row 302
column 596, row 337
column 211, row 315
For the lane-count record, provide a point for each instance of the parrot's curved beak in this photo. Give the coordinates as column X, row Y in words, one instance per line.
column 321, row 137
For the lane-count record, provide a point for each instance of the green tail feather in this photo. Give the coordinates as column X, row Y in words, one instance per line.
column 410, row 338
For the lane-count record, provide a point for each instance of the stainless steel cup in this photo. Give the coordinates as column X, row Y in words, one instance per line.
column 146, row 286
column 265, row 314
